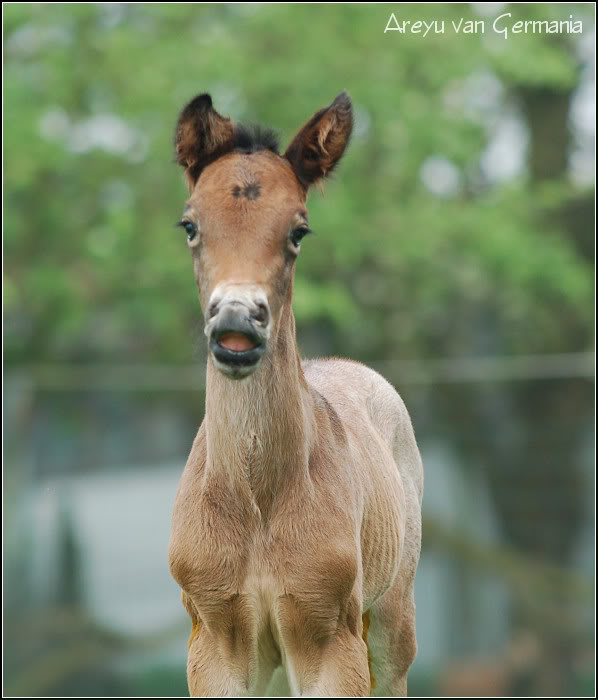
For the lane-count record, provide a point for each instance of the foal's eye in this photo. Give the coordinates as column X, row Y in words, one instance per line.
column 189, row 227
column 298, row 234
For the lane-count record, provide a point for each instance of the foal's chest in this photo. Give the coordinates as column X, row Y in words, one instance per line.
column 259, row 579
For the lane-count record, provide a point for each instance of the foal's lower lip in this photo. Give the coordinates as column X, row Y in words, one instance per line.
column 236, row 342
column 236, row 364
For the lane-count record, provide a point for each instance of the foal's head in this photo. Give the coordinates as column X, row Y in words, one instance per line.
column 245, row 219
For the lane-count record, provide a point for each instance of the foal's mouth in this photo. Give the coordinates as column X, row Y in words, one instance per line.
column 236, row 353
column 236, row 341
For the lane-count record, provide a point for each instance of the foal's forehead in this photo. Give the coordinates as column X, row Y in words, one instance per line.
column 239, row 179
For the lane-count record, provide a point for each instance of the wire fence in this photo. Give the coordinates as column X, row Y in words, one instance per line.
column 57, row 377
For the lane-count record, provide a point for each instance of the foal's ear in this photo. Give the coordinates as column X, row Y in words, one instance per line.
column 319, row 145
column 201, row 134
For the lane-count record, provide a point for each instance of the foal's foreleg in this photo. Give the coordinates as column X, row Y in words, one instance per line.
column 343, row 669
column 335, row 667
column 322, row 647
column 392, row 640
column 207, row 673
column 217, row 667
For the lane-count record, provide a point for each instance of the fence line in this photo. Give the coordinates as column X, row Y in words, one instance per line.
column 145, row 377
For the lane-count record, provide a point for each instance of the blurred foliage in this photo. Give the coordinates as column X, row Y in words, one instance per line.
column 95, row 271
column 424, row 249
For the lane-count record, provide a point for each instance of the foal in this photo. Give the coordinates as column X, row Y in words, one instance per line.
column 296, row 527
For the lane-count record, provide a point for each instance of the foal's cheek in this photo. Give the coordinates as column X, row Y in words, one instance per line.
column 278, row 285
column 285, row 279
column 200, row 279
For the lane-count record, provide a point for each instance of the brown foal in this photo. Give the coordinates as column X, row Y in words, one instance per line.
column 296, row 530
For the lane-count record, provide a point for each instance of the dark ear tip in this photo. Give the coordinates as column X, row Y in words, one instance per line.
column 203, row 101
column 343, row 102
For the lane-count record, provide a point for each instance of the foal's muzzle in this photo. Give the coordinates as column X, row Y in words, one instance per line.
column 237, row 329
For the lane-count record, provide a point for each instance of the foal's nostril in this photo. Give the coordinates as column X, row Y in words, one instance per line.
column 212, row 309
column 261, row 313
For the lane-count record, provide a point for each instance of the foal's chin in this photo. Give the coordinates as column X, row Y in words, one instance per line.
column 235, row 364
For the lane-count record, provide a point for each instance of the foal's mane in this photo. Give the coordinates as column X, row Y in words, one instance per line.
column 250, row 138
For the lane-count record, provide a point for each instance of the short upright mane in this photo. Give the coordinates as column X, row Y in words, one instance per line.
column 250, row 138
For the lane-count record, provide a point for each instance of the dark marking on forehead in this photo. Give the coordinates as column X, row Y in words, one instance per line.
column 252, row 190
column 249, row 191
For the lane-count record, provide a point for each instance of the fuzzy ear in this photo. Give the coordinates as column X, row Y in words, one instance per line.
column 201, row 135
column 319, row 145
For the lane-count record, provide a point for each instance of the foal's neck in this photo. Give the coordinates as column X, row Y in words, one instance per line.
column 260, row 429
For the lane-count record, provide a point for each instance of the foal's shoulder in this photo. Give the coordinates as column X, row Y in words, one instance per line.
column 329, row 368
column 361, row 395
column 347, row 380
